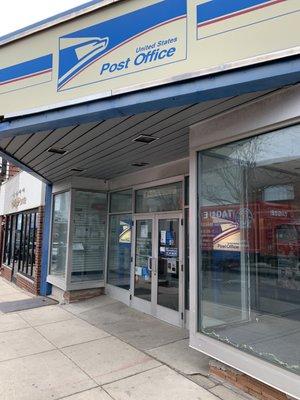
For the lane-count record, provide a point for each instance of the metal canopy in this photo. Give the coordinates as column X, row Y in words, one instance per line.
column 105, row 149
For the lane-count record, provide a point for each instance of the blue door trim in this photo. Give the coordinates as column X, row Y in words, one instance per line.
column 45, row 288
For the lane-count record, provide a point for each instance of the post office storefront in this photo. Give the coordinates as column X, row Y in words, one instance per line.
column 132, row 241
column 240, row 198
column 170, row 157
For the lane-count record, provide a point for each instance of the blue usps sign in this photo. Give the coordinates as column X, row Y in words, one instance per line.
column 132, row 36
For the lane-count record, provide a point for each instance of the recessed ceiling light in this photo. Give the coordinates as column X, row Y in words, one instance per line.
column 57, row 150
column 77, row 170
column 139, row 164
column 145, row 139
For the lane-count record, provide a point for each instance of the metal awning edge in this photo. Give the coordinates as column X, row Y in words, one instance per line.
column 272, row 75
column 56, row 20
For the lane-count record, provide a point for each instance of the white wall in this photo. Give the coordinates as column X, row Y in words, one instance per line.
column 22, row 192
column 267, row 113
column 148, row 175
column 78, row 182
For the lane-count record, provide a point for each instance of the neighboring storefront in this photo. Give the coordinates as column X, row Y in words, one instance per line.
column 22, row 212
column 170, row 157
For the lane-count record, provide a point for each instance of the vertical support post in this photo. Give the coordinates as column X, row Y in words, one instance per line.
column 194, row 314
column 45, row 288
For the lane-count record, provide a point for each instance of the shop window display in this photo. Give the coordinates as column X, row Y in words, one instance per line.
column 249, row 233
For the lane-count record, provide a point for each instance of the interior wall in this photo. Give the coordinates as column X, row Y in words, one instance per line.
column 80, row 183
column 169, row 170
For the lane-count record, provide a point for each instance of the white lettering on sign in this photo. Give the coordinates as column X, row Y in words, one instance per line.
column 278, row 213
column 224, row 214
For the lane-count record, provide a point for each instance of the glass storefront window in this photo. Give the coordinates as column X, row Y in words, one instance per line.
column 7, row 244
column 119, row 250
column 20, row 242
column 89, row 234
column 60, row 223
column 186, row 243
column 18, row 237
column 160, row 198
column 121, row 201
column 186, row 260
column 249, row 224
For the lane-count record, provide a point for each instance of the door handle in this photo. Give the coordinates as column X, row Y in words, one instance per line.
column 155, row 265
column 150, row 258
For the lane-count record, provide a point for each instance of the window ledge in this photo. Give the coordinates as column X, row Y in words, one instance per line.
column 7, row 266
column 26, row 277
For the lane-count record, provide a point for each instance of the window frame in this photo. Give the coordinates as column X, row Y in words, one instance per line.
column 272, row 375
column 9, row 246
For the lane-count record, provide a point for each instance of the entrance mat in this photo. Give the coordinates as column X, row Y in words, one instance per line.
column 20, row 305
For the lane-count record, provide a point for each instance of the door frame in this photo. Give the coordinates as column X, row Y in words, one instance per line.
column 151, row 307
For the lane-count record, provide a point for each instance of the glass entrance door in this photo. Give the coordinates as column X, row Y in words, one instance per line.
column 143, row 259
column 157, row 285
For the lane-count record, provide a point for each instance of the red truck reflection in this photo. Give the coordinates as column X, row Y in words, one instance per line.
column 267, row 233
column 266, row 228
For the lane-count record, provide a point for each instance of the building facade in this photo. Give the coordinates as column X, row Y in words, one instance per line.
column 170, row 156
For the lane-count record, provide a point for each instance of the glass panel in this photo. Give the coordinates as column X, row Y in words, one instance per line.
column 160, row 198
column 60, row 221
column 250, row 245
column 7, row 249
column 143, row 259
column 26, row 259
column 186, row 260
column 119, row 250
column 224, row 263
column 89, row 233
column 13, row 238
column 33, row 232
column 23, row 250
column 168, row 263
column 18, row 243
column 121, row 201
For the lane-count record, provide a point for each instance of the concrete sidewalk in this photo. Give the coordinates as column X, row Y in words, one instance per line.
column 99, row 350
column 10, row 292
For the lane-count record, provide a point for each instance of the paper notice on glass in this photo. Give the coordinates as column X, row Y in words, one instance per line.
column 163, row 237
column 171, row 252
column 171, row 266
column 162, row 250
column 78, row 246
column 144, row 231
column 138, row 271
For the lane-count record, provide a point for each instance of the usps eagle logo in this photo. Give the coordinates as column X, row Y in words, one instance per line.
column 77, row 54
